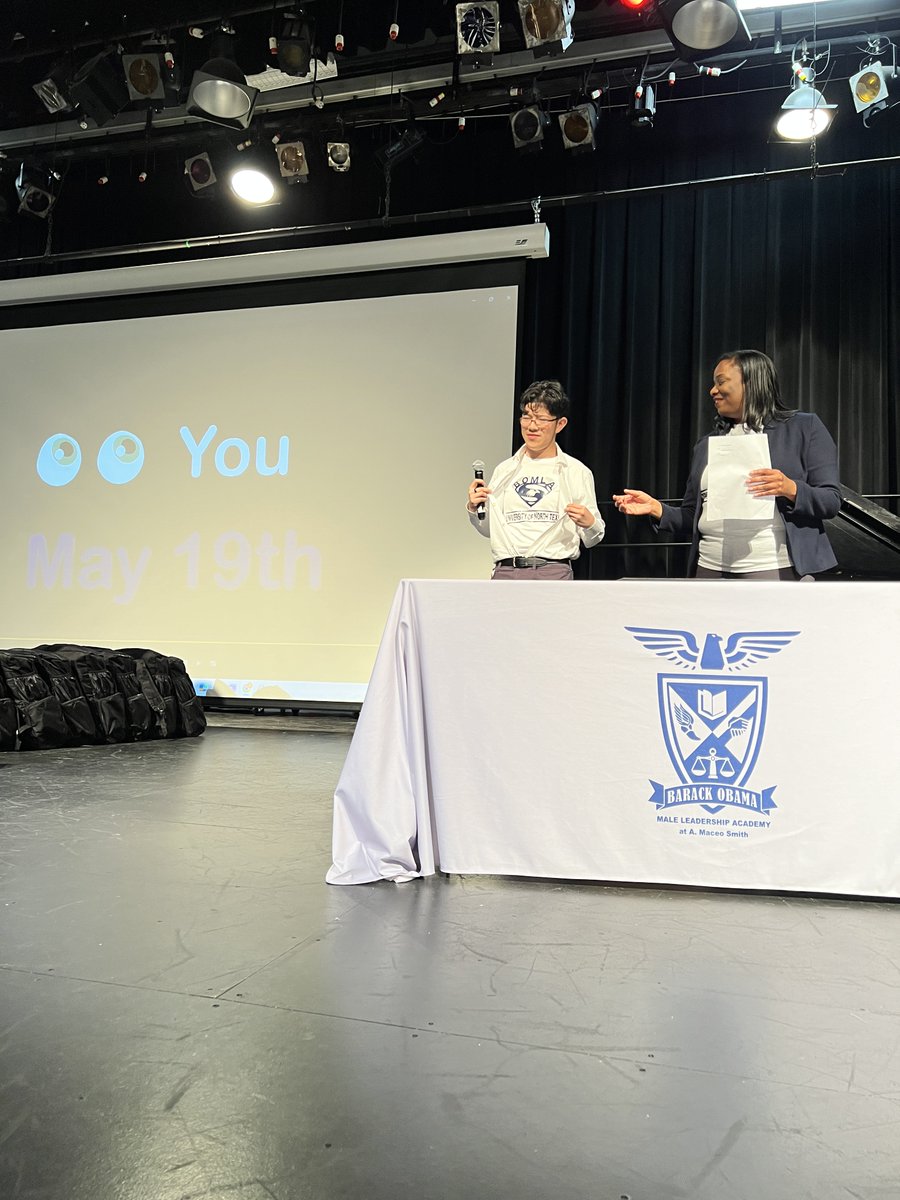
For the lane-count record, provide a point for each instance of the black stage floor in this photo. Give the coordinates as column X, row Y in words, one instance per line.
column 187, row 1010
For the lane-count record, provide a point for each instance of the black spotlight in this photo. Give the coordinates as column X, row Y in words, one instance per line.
column 295, row 48
column 34, row 187
column 699, row 28
column 408, row 143
column 98, row 86
column 219, row 91
column 527, row 127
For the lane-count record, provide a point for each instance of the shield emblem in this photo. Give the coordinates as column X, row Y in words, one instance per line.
column 713, row 727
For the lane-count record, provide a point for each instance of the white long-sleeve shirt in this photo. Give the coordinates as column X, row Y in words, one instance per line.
column 525, row 513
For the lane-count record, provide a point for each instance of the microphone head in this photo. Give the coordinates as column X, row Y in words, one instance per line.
column 477, row 465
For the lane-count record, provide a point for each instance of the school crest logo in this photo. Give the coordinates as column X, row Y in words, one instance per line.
column 712, row 721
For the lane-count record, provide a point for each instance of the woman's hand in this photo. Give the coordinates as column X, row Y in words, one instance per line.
column 580, row 515
column 637, row 504
column 766, row 481
column 478, row 493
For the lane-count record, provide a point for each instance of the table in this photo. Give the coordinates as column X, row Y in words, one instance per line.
column 717, row 734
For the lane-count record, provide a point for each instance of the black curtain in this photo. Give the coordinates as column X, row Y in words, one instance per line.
column 643, row 292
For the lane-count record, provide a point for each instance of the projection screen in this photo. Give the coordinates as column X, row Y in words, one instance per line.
column 241, row 478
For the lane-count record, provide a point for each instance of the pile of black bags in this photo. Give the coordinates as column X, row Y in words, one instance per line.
column 77, row 695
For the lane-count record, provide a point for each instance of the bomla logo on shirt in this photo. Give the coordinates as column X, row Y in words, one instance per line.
column 531, row 489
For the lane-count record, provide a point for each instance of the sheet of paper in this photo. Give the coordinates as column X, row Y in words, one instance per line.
column 731, row 459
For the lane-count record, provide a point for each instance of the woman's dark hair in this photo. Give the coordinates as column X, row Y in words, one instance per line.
column 546, row 392
column 762, row 391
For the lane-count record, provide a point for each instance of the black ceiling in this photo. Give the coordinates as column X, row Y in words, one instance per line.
column 35, row 36
column 380, row 85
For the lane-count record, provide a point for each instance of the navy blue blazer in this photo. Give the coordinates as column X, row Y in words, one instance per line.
column 804, row 450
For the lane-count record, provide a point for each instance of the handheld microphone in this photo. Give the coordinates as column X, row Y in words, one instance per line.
column 478, row 468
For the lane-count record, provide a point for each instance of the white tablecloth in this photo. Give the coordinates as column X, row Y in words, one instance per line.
column 721, row 734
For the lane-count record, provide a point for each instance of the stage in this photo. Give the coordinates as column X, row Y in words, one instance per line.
column 189, row 1011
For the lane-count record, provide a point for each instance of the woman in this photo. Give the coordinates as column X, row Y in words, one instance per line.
column 803, row 480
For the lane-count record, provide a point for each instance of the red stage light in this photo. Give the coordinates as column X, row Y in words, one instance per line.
column 636, row 5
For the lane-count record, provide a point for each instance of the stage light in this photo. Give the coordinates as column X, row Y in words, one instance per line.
column 292, row 162
column 34, row 187
column 53, row 90
column 637, row 5
column 394, row 152
column 252, row 185
column 144, row 76
column 295, row 48
column 643, row 106
column 527, row 126
column 547, row 25
column 199, row 172
column 338, row 155
column 577, row 127
column 870, row 90
column 478, row 28
column 697, row 28
column 99, row 87
column 219, row 91
column 804, row 114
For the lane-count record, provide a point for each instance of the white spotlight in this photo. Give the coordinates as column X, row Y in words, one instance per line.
column 870, row 89
column 252, row 185
column 804, row 114
column 292, row 162
column 338, row 154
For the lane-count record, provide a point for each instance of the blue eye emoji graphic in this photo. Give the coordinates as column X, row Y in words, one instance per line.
column 121, row 457
column 59, row 460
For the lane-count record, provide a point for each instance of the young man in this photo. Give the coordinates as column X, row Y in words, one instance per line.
column 539, row 505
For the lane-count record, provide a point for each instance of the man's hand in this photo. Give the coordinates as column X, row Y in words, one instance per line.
column 478, row 493
column 580, row 515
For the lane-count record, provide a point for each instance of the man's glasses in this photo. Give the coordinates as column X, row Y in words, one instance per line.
column 526, row 418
